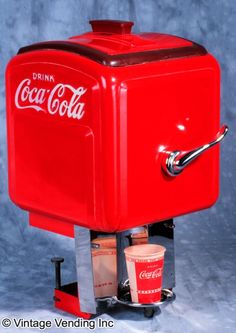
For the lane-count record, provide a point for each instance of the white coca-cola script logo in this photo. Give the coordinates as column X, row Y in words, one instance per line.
column 29, row 97
column 150, row 275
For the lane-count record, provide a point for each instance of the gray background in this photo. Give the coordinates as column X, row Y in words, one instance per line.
column 205, row 241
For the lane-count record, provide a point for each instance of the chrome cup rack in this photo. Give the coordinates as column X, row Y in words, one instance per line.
column 167, row 296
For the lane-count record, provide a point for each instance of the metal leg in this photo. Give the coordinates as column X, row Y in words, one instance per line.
column 122, row 241
column 84, row 270
column 163, row 233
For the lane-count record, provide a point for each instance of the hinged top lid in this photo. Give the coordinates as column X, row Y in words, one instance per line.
column 115, row 37
column 112, row 43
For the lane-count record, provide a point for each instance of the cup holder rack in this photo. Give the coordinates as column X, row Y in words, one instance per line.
column 167, row 297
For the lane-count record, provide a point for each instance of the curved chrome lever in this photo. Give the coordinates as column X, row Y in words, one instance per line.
column 177, row 160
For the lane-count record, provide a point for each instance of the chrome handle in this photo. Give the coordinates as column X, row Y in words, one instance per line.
column 177, row 160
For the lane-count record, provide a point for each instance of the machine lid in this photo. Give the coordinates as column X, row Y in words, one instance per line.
column 111, row 43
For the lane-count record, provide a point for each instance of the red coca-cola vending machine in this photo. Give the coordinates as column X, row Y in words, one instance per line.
column 110, row 136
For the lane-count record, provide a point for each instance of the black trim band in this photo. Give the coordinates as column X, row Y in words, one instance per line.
column 118, row 60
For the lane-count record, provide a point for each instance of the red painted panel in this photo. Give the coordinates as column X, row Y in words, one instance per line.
column 69, row 303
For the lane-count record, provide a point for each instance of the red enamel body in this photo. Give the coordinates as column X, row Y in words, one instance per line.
column 87, row 136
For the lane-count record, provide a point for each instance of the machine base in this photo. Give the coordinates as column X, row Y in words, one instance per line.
column 79, row 299
column 66, row 299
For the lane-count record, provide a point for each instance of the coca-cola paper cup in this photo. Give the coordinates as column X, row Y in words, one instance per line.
column 145, row 265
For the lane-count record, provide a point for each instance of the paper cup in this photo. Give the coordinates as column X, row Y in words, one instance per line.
column 145, row 265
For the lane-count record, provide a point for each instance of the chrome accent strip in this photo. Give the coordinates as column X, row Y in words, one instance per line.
column 84, row 269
